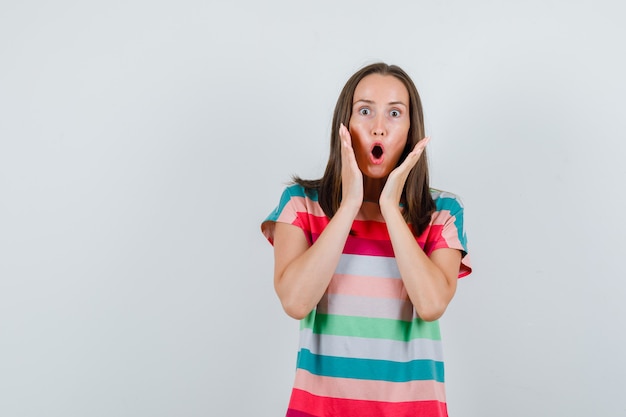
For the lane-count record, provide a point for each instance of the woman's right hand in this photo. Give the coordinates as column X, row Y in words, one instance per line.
column 351, row 176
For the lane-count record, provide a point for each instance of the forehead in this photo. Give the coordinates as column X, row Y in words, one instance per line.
column 381, row 88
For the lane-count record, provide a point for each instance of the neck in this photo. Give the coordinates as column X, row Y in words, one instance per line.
column 372, row 187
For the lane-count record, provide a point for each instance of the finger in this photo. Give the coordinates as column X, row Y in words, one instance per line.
column 418, row 149
column 344, row 134
column 412, row 158
column 421, row 145
column 346, row 141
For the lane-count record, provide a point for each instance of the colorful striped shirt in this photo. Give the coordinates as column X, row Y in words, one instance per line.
column 363, row 350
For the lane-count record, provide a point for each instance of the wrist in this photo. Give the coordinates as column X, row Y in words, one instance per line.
column 351, row 208
column 390, row 209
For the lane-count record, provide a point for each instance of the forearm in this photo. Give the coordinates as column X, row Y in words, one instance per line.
column 427, row 286
column 305, row 278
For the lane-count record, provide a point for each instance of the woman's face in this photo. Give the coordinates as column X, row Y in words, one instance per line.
column 379, row 124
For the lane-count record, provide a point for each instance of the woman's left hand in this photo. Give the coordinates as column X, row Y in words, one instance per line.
column 392, row 191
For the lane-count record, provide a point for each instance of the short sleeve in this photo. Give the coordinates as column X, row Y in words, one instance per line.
column 291, row 209
column 448, row 229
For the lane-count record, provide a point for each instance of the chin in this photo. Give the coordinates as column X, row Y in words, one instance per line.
column 377, row 174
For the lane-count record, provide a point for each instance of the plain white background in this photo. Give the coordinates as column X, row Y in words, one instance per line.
column 143, row 142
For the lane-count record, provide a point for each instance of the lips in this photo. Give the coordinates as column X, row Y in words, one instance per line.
column 377, row 153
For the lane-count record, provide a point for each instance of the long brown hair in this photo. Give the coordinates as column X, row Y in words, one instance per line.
column 416, row 196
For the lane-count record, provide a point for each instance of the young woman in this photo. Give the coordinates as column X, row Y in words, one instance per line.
column 368, row 257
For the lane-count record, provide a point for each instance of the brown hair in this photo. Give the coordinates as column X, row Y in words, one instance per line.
column 416, row 196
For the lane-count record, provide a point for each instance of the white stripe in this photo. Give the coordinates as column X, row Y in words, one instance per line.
column 359, row 347
column 369, row 266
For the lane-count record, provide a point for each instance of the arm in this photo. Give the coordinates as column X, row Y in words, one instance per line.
column 429, row 282
column 302, row 273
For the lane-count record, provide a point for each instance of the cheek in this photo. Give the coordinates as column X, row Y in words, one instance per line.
column 360, row 150
column 357, row 143
column 397, row 149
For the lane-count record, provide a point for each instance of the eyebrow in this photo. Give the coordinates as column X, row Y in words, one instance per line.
column 393, row 103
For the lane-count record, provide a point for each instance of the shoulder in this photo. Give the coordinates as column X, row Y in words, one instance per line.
column 446, row 201
column 297, row 206
column 448, row 227
column 295, row 201
column 296, row 194
column 297, row 190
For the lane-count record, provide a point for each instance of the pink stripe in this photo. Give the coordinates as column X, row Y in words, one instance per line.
column 367, row 286
column 317, row 224
column 441, row 217
column 296, row 413
column 303, row 207
column 311, row 207
column 360, row 389
column 466, row 266
column 372, row 229
column 335, row 407
column 371, row 247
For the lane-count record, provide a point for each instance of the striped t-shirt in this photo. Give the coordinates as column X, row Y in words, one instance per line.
column 363, row 350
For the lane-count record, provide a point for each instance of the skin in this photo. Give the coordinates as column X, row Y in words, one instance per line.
column 380, row 115
column 302, row 273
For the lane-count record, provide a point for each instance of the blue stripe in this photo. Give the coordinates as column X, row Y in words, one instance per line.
column 370, row 369
column 296, row 190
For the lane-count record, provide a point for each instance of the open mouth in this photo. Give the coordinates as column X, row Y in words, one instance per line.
column 377, row 153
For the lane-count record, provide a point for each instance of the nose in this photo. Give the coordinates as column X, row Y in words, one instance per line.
column 378, row 127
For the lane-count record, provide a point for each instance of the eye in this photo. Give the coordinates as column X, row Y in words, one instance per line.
column 394, row 113
column 364, row 111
